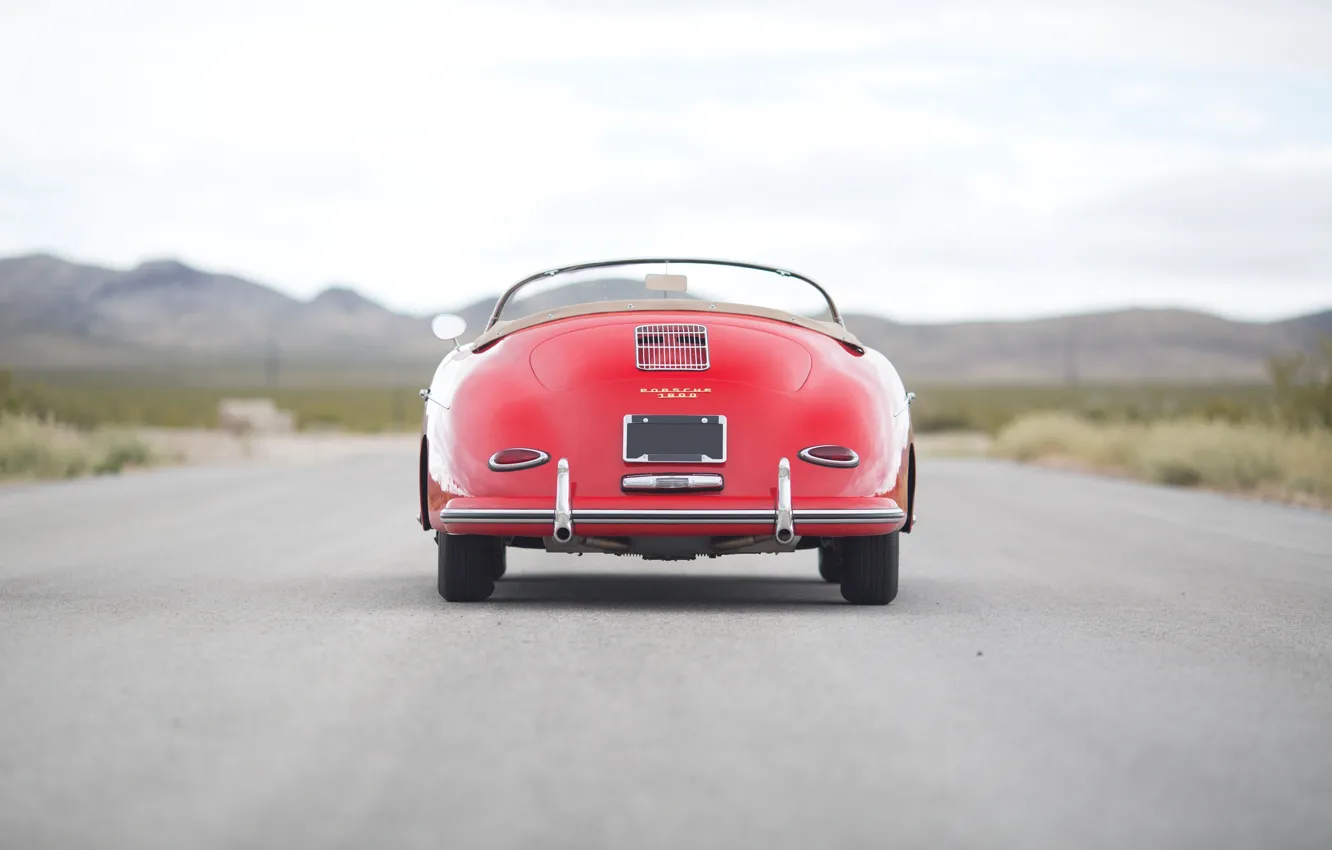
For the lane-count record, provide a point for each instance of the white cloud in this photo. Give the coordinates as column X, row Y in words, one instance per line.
column 931, row 160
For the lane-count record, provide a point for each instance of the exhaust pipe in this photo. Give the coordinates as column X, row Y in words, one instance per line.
column 563, row 510
column 738, row 543
column 785, row 532
column 605, row 544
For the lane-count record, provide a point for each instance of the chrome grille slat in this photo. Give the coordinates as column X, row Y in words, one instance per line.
column 673, row 347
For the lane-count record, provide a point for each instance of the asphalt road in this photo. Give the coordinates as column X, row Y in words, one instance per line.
column 256, row 657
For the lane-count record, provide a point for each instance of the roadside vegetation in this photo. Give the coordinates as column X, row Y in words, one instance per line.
column 1260, row 460
column 1272, row 439
column 36, row 447
column 159, row 401
column 89, row 401
column 1281, row 450
column 990, row 409
column 33, row 448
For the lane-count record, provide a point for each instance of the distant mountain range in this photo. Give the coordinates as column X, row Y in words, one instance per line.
column 59, row 315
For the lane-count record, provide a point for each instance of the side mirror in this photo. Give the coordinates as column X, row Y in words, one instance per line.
column 448, row 327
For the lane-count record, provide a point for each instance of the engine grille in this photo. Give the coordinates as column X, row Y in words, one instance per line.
column 672, row 347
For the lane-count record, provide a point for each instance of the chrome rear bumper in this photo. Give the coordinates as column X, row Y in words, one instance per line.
column 564, row 517
column 488, row 516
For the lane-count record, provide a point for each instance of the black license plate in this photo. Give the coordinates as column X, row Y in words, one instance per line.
column 674, row 439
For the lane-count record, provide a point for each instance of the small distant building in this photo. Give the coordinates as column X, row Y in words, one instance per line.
column 254, row 416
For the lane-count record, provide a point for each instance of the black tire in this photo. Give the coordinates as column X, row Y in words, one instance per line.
column 830, row 564
column 467, row 566
column 869, row 569
column 501, row 563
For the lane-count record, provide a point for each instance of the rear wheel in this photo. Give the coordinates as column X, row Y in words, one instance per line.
column 869, row 569
column 830, row 563
column 467, row 564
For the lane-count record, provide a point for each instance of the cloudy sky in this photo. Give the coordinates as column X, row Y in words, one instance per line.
column 933, row 161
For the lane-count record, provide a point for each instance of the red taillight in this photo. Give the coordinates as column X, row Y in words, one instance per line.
column 508, row 460
column 830, row 456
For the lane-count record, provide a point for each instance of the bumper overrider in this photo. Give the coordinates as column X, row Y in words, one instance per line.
column 782, row 521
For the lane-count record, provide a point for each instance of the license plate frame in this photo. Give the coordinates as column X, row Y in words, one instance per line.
column 697, row 450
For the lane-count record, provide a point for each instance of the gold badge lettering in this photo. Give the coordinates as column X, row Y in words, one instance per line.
column 675, row 392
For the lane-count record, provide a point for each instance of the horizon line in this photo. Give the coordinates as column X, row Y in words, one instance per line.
column 1131, row 307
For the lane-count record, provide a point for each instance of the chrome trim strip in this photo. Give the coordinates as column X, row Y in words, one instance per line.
column 563, row 507
column 523, row 516
column 867, row 518
column 652, row 482
column 494, row 516
column 812, row 514
column 784, row 531
column 673, row 517
column 514, row 467
column 804, row 454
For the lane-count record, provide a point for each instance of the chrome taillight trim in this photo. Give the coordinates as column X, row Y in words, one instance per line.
column 653, row 482
column 804, row 454
column 670, row 353
column 496, row 466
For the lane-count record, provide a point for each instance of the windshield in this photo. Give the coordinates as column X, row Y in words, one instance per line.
column 712, row 281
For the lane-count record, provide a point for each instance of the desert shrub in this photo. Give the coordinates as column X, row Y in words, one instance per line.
column 36, row 448
column 1054, row 434
column 1223, row 409
column 1303, row 387
column 1214, row 454
column 121, row 450
column 1246, row 457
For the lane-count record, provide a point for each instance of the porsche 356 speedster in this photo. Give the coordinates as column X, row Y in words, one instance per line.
column 668, row 410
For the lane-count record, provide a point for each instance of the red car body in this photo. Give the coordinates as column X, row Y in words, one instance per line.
column 562, row 385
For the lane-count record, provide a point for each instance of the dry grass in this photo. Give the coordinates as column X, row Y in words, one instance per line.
column 1254, row 459
column 35, row 448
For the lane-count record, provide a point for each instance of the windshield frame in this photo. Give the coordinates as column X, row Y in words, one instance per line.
column 512, row 290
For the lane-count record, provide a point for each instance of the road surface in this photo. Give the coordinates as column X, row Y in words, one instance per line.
column 256, row 657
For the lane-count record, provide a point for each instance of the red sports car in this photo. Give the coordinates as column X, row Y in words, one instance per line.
column 668, row 409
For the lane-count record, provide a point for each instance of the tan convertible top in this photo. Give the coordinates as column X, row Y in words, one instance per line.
column 504, row 328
